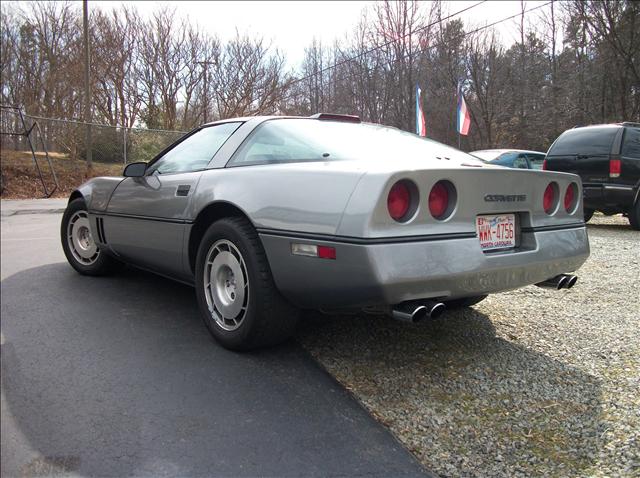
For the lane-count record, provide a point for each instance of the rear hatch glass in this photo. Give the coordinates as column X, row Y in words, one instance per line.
column 584, row 151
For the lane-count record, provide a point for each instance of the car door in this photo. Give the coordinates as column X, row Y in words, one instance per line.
column 147, row 216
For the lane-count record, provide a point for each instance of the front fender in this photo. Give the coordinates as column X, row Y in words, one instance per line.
column 97, row 192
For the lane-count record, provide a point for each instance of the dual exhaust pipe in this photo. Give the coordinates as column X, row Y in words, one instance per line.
column 415, row 311
column 561, row 281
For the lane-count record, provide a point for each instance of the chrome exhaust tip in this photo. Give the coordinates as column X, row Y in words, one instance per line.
column 435, row 309
column 409, row 312
column 416, row 311
column 561, row 281
column 571, row 281
column 558, row 282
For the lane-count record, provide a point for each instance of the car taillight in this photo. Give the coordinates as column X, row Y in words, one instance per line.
column 615, row 167
column 439, row 200
column 398, row 201
column 570, row 197
column 549, row 198
column 544, row 165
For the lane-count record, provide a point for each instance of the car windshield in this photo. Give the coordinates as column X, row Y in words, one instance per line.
column 487, row 155
column 300, row 139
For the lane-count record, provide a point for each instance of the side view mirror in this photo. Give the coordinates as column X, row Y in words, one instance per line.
column 134, row 170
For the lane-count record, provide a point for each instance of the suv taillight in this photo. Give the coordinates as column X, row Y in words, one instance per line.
column 615, row 167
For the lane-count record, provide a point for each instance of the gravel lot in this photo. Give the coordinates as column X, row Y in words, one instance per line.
column 527, row 383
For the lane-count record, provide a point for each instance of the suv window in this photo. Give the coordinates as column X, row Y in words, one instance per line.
column 195, row 152
column 589, row 141
column 631, row 144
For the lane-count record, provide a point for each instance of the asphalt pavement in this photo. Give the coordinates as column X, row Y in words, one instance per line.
column 118, row 376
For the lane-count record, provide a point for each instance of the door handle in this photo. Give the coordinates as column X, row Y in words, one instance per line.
column 183, row 190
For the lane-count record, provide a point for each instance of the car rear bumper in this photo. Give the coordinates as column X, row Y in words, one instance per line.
column 389, row 273
column 607, row 196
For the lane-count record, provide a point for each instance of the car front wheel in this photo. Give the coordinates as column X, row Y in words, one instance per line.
column 237, row 296
column 78, row 244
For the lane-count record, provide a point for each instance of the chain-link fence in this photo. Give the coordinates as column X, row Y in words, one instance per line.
column 67, row 139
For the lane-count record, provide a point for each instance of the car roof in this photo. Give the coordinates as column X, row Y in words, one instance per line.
column 501, row 151
column 600, row 126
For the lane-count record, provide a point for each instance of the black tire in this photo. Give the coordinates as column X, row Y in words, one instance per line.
column 465, row 302
column 100, row 263
column 634, row 216
column 266, row 318
column 588, row 214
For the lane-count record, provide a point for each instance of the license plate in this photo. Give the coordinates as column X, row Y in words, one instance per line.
column 496, row 232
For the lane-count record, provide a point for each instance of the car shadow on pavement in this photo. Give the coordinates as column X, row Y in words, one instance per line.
column 466, row 401
column 117, row 376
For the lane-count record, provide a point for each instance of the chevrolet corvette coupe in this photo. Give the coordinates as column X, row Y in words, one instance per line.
column 266, row 216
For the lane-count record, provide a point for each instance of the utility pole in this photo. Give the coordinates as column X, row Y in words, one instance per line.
column 87, row 83
column 206, row 86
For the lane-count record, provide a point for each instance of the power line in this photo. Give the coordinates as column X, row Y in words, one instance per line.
column 424, row 50
column 378, row 47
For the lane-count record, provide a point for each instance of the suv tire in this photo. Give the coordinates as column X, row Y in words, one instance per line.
column 634, row 216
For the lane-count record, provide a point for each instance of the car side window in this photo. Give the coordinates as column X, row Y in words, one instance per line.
column 195, row 152
column 631, row 144
column 505, row 159
column 520, row 162
column 536, row 160
column 272, row 142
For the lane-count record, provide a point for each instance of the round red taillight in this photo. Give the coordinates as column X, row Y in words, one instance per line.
column 439, row 200
column 569, row 197
column 549, row 199
column 398, row 201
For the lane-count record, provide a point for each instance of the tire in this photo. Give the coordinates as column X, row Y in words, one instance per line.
column 464, row 302
column 634, row 216
column 237, row 297
column 588, row 214
column 78, row 245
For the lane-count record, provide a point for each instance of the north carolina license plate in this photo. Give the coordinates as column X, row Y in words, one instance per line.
column 496, row 232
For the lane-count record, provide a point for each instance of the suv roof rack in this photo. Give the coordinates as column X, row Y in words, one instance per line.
column 336, row 117
column 631, row 123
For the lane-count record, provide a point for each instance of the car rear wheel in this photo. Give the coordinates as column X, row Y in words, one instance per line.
column 588, row 214
column 237, row 296
column 465, row 302
column 78, row 244
column 634, row 216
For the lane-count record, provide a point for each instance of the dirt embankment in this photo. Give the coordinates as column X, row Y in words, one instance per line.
column 20, row 179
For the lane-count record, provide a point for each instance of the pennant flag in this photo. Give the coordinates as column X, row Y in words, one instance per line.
column 464, row 120
column 421, row 127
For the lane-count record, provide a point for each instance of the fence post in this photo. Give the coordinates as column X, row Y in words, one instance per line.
column 124, row 143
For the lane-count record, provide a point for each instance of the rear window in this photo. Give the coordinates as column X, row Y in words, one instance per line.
column 584, row 141
column 305, row 140
column 631, row 144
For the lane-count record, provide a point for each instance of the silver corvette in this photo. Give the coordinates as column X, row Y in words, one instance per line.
column 265, row 216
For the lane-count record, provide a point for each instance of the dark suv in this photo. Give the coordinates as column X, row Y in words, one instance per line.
column 607, row 158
